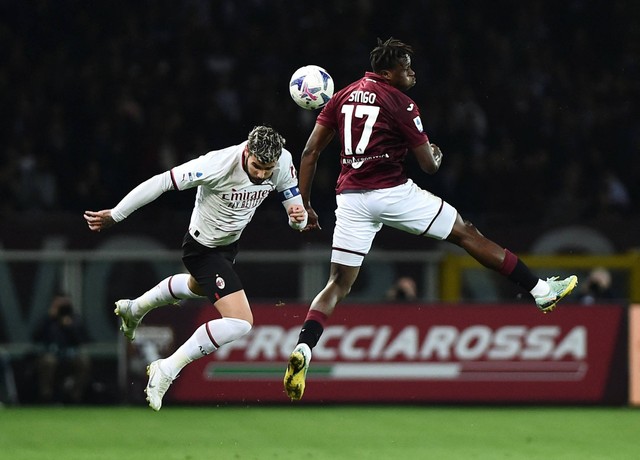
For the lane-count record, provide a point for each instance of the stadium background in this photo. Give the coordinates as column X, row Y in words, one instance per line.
column 535, row 105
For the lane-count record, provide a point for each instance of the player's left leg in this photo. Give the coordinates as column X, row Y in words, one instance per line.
column 546, row 293
column 236, row 321
column 212, row 273
column 420, row 212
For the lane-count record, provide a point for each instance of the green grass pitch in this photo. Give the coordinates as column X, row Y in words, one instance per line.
column 319, row 432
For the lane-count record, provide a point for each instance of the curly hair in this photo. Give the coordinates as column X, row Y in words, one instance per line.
column 388, row 54
column 265, row 143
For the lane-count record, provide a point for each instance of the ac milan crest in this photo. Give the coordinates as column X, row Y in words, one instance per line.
column 220, row 282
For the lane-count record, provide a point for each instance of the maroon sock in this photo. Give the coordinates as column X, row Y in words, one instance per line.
column 312, row 328
column 516, row 271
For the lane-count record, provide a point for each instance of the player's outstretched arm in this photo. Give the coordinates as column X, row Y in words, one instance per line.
column 99, row 220
column 143, row 194
column 317, row 142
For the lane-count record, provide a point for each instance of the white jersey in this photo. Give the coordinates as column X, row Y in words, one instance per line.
column 226, row 199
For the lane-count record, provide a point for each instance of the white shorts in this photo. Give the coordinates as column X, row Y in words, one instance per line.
column 360, row 215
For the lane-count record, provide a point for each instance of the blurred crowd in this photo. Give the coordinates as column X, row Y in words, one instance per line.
column 535, row 104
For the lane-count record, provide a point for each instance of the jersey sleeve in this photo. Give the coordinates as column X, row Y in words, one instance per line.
column 327, row 116
column 143, row 194
column 205, row 169
column 287, row 176
column 410, row 124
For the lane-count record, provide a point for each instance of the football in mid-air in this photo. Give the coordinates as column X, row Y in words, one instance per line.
column 311, row 87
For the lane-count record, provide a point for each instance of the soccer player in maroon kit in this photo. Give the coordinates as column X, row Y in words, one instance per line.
column 377, row 125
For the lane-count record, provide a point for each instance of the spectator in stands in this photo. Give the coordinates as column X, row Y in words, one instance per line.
column 597, row 287
column 63, row 366
column 403, row 290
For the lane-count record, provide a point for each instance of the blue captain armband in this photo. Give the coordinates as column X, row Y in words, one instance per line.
column 289, row 193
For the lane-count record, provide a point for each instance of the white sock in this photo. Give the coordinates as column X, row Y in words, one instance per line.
column 167, row 291
column 306, row 351
column 205, row 340
column 541, row 288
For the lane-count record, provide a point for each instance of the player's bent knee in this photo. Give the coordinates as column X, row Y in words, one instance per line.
column 470, row 228
column 234, row 328
column 241, row 326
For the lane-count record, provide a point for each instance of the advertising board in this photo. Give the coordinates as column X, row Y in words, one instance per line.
column 406, row 353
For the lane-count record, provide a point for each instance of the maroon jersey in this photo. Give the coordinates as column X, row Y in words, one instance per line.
column 377, row 124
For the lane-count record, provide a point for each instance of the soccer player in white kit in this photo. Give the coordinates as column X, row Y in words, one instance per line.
column 231, row 183
column 378, row 124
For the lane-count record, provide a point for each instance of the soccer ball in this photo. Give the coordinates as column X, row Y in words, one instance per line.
column 311, row 87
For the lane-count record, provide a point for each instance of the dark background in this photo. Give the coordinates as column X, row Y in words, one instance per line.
column 534, row 104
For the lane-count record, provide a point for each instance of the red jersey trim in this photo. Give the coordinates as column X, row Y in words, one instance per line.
column 173, row 181
column 215, row 344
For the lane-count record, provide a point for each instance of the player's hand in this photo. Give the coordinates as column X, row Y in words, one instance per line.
column 437, row 154
column 99, row 220
column 312, row 222
column 296, row 213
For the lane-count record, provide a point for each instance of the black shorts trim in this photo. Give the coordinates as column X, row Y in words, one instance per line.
column 434, row 217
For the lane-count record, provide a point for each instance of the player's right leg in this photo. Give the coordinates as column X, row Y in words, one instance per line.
column 296, row 374
column 159, row 383
column 169, row 291
column 340, row 281
column 352, row 239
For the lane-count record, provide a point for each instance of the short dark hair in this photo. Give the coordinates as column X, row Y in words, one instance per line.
column 265, row 143
column 388, row 54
